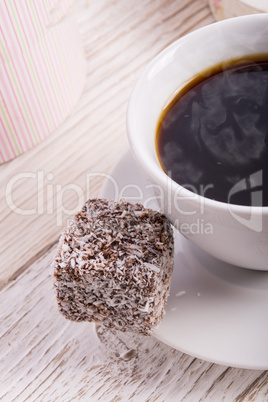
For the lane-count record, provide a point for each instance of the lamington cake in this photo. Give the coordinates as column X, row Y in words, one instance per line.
column 113, row 266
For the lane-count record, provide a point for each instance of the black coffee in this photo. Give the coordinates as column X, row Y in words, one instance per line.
column 213, row 136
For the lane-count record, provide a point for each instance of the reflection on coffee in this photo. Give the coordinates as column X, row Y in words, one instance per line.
column 212, row 138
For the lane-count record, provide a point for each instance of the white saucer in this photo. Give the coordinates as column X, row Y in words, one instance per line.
column 215, row 311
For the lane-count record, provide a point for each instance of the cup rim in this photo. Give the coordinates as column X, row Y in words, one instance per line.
column 141, row 156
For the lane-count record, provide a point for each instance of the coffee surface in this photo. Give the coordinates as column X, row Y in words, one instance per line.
column 212, row 138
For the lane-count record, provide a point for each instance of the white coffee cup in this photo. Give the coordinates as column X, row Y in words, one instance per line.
column 235, row 234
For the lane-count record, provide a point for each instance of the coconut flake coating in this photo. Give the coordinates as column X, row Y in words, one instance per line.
column 113, row 266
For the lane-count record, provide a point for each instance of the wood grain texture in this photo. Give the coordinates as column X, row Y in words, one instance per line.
column 43, row 357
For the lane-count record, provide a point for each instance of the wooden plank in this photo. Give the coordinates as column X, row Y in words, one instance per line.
column 44, row 357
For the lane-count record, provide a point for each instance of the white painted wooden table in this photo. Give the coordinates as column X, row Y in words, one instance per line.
column 43, row 357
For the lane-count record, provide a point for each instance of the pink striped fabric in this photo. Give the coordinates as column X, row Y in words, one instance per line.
column 42, row 71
